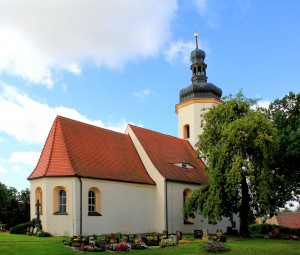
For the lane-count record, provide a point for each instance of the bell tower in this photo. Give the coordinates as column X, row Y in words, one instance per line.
column 192, row 99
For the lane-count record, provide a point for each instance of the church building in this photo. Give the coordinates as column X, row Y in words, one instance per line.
column 90, row 180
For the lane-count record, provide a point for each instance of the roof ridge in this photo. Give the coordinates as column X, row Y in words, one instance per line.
column 90, row 125
column 59, row 118
column 153, row 131
column 48, row 163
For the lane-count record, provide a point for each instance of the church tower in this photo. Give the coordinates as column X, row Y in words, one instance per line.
column 192, row 99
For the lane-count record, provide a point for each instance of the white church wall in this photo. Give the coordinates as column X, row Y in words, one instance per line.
column 125, row 208
column 56, row 224
column 160, row 198
column 175, row 212
column 189, row 112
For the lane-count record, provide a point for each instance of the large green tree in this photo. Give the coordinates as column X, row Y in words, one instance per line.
column 14, row 206
column 238, row 144
column 285, row 115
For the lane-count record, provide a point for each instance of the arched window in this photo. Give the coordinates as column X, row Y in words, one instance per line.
column 62, row 201
column 39, row 199
column 186, row 131
column 94, row 202
column 187, row 193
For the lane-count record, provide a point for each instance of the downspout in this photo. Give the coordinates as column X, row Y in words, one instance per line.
column 80, row 215
column 166, row 192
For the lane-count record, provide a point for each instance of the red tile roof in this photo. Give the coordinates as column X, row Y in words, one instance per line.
column 165, row 151
column 74, row 148
column 289, row 219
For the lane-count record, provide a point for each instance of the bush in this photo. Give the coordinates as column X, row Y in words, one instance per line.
column 21, row 228
column 43, row 234
column 264, row 229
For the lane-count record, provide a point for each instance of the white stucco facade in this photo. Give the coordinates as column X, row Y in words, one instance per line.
column 189, row 114
column 124, row 207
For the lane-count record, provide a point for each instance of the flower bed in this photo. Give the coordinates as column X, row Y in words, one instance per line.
column 119, row 242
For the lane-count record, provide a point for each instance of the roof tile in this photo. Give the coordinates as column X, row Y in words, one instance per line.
column 74, row 148
column 165, row 151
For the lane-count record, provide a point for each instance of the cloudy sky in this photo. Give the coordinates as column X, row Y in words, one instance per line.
column 115, row 62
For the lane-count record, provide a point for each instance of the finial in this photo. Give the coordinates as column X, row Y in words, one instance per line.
column 196, row 36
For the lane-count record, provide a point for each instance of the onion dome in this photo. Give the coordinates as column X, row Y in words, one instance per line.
column 199, row 88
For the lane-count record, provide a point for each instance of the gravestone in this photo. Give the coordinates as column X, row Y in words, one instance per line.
column 198, row 233
column 179, row 235
column 175, row 240
column 35, row 230
column 102, row 244
column 205, row 232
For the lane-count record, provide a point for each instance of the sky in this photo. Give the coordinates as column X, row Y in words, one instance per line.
column 110, row 63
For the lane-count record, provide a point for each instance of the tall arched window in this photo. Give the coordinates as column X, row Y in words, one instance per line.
column 186, row 131
column 62, row 201
column 187, row 193
column 94, row 202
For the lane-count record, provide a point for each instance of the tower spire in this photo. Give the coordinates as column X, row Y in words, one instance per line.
column 196, row 36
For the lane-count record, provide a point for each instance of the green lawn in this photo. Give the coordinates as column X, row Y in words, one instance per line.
column 21, row 244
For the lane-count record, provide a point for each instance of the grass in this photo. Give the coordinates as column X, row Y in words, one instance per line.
column 22, row 244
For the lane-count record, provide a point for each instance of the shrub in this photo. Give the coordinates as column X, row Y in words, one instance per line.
column 21, row 228
column 43, row 234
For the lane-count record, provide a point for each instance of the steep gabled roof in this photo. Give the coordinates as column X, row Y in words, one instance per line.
column 74, row 148
column 289, row 219
column 165, row 151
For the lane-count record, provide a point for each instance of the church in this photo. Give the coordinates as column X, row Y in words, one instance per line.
column 90, row 180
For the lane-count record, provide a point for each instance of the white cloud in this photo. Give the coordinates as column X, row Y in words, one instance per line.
column 38, row 38
column 30, row 121
column 2, row 170
column 202, row 6
column 210, row 12
column 181, row 50
column 142, row 94
column 25, row 157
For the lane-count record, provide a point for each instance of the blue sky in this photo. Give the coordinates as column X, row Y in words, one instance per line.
column 110, row 63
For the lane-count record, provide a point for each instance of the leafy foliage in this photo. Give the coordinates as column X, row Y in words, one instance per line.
column 21, row 228
column 238, row 143
column 285, row 115
column 14, row 206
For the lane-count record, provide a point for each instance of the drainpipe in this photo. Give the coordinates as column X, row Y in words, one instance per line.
column 166, row 189
column 80, row 215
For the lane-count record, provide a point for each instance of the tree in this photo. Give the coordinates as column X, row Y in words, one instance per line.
column 14, row 206
column 285, row 115
column 238, row 143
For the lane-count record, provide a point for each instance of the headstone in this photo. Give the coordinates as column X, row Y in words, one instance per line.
column 156, row 238
column 31, row 230
column 107, row 239
column 102, row 244
column 213, row 246
column 179, row 235
column 175, row 240
column 205, row 232
column 126, row 238
column 198, row 233
column 35, row 230
column 165, row 233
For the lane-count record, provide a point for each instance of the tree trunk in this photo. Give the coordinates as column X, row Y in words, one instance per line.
column 244, row 210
